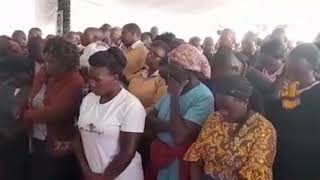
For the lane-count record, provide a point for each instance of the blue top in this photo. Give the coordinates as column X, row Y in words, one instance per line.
column 195, row 106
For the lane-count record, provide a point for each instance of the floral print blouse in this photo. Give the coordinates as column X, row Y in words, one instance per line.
column 228, row 155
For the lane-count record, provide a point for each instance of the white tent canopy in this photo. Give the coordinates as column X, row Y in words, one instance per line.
column 185, row 18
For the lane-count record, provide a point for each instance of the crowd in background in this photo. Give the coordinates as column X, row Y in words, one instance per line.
column 117, row 103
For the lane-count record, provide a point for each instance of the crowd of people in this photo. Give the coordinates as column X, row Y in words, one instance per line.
column 117, row 103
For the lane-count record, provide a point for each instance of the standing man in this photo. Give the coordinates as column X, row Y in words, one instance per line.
column 135, row 51
column 154, row 32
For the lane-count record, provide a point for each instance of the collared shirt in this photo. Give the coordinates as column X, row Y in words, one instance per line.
column 133, row 46
column 148, row 89
column 136, row 58
column 229, row 155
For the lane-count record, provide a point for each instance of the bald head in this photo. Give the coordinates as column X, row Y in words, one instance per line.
column 91, row 35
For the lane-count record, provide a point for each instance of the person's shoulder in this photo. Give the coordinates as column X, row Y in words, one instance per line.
column 264, row 123
column 129, row 99
column 76, row 79
column 203, row 91
column 90, row 98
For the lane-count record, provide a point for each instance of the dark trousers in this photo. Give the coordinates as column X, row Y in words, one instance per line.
column 46, row 167
column 14, row 158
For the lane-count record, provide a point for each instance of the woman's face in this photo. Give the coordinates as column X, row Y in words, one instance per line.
column 101, row 80
column 177, row 73
column 53, row 65
column 231, row 108
column 155, row 55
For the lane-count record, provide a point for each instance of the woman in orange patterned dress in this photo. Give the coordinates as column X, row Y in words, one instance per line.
column 236, row 143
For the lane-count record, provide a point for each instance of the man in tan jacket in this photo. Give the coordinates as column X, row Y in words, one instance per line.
column 134, row 49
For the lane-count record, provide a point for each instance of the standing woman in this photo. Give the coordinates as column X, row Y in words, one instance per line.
column 178, row 117
column 236, row 142
column 54, row 103
column 296, row 117
column 111, row 122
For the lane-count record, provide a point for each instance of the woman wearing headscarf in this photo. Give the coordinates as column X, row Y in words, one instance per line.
column 177, row 119
column 296, row 117
column 236, row 142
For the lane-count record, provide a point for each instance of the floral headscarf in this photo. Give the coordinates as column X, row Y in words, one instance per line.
column 190, row 58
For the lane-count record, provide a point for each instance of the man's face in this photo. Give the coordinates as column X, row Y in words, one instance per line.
column 154, row 32
column 21, row 39
column 208, row 47
column 116, row 36
column 127, row 38
column 227, row 39
column 87, row 38
column 248, row 46
column 34, row 33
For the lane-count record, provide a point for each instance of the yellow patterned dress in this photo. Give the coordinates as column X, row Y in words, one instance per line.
column 245, row 155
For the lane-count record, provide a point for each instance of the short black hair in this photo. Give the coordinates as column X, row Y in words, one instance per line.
column 161, row 44
column 145, row 35
column 113, row 59
column 105, row 27
column 17, row 33
column 194, row 39
column 170, row 39
column 274, row 48
column 133, row 28
column 307, row 51
column 65, row 52
column 34, row 29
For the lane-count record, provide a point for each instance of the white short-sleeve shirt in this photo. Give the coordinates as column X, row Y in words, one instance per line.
column 100, row 126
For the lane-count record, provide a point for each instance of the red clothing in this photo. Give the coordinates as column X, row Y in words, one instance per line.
column 61, row 106
column 162, row 155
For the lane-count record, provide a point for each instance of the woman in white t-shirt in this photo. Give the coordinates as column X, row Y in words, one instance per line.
column 111, row 123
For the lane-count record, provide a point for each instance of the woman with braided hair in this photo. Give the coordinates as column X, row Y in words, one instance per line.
column 236, row 142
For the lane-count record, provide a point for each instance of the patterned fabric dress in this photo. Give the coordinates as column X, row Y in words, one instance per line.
column 247, row 154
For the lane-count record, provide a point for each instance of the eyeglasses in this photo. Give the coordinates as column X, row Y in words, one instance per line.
column 154, row 54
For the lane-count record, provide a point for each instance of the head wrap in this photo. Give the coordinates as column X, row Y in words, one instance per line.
column 190, row 58
column 235, row 86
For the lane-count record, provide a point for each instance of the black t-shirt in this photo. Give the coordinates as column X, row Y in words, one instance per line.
column 298, row 133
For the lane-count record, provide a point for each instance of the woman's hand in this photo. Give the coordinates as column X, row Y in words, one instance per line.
column 175, row 87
